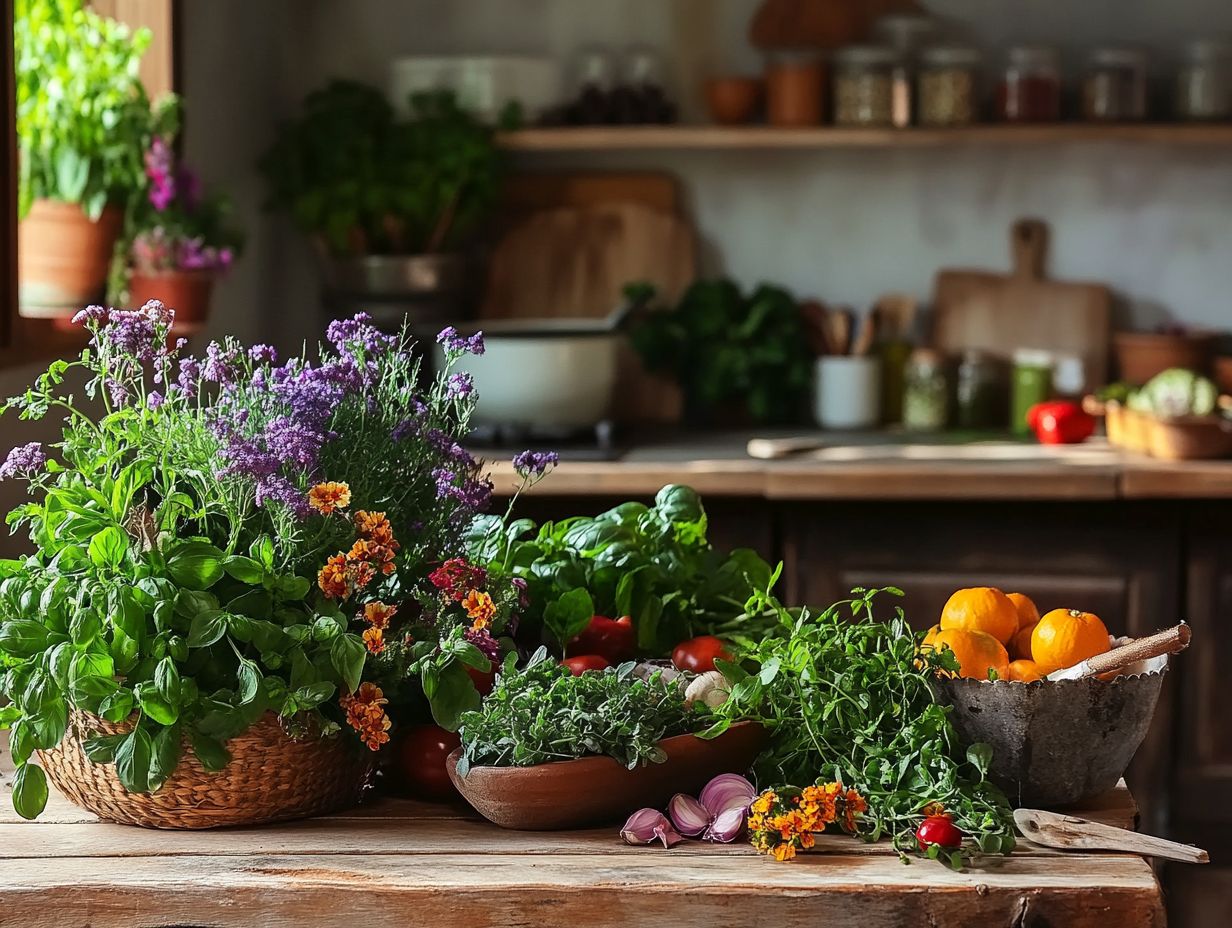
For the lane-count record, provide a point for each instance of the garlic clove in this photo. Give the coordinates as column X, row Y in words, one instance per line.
column 727, row 791
column 726, row 826
column 688, row 815
column 647, row 825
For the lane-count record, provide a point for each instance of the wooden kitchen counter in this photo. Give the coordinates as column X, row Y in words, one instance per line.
column 884, row 467
column 399, row 863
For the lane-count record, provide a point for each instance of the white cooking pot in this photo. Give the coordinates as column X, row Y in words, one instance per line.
column 544, row 373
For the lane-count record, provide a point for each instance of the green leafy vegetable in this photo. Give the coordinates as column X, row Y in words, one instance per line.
column 543, row 713
column 847, row 698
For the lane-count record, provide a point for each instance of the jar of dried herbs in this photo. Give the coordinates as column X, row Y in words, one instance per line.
column 864, row 85
column 926, row 392
column 948, row 86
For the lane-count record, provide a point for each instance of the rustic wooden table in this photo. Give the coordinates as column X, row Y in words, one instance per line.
column 400, row 863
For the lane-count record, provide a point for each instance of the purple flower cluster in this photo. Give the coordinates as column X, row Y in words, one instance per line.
column 222, row 364
column 358, row 334
column 159, row 250
column 160, row 169
column 23, row 461
column 472, row 492
column 459, row 386
column 483, row 640
column 452, row 341
column 534, row 463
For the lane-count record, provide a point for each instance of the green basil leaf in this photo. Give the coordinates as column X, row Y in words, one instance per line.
column 88, row 692
column 211, row 752
column 101, row 749
column 132, row 760
column 455, row 695
column 21, row 741
column 292, row 589
column 167, row 681
column 244, row 569
column 118, row 706
column 29, row 791
column 249, row 680
column 207, row 628
column 569, row 615
column 164, row 755
column 262, row 551
column 347, row 654
column 155, row 706
column 23, row 637
column 311, row 696
column 85, row 625
column 196, row 565
column 108, row 548
column 127, row 614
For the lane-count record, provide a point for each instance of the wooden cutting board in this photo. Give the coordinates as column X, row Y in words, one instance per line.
column 576, row 261
column 1023, row 309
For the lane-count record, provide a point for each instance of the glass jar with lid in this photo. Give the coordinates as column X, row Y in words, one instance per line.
column 982, row 396
column 948, row 86
column 926, row 392
column 795, row 87
column 864, row 85
column 1114, row 89
column 1030, row 85
column 907, row 34
column 1204, row 81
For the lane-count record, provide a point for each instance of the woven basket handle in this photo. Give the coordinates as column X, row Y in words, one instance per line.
column 1169, row 641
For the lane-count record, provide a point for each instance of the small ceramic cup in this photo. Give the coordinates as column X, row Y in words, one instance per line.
column 847, row 391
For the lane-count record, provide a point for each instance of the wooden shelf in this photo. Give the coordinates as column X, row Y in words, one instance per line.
column 687, row 138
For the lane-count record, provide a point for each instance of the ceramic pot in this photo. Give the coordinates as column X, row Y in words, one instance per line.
column 733, row 100
column 63, row 257
column 423, row 290
column 187, row 292
column 598, row 790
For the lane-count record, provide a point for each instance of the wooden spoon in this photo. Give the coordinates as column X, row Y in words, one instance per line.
column 1070, row 833
column 1169, row 641
column 839, row 323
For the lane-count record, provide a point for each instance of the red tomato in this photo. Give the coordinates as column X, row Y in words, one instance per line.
column 581, row 663
column 614, row 639
column 421, row 762
column 697, row 654
column 484, row 681
column 939, row 830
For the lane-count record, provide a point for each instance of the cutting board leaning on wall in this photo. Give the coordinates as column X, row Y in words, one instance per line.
column 998, row 313
column 571, row 244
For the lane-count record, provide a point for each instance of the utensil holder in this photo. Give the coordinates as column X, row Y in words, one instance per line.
column 847, row 391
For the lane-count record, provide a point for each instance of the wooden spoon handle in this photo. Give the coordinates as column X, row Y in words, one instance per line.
column 1077, row 834
column 1168, row 641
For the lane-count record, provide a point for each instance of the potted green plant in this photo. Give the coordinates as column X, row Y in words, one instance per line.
column 83, row 123
column 245, row 576
column 391, row 205
column 182, row 241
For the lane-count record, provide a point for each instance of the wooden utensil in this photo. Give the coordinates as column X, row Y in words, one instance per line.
column 1069, row 833
column 839, row 323
column 867, row 335
column 1170, row 641
column 998, row 312
column 895, row 314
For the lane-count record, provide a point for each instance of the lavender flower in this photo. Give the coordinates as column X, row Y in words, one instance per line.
column 154, row 400
column 459, row 386
column 23, row 461
column 221, row 364
column 158, row 313
column 263, row 354
column 131, row 333
column 91, row 315
column 474, row 494
column 190, row 375
column 534, row 463
column 279, row 490
column 452, row 341
column 293, row 442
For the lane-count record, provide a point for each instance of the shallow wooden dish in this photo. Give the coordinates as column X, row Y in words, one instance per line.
column 598, row 790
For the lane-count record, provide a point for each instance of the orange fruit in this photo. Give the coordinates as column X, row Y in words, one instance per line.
column 1065, row 637
column 981, row 609
column 1028, row 615
column 977, row 652
column 1024, row 671
column 1020, row 644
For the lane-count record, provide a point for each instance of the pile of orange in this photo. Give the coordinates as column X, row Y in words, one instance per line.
column 1002, row 636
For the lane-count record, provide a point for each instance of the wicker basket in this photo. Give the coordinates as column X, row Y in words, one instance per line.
column 270, row 778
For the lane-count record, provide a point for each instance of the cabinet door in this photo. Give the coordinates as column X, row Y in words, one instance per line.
column 1203, row 808
column 1120, row 561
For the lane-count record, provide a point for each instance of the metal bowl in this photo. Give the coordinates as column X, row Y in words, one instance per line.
column 1056, row 744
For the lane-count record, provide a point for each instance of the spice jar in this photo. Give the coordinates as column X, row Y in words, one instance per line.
column 981, row 392
column 948, row 81
column 906, row 33
column 1114, row 89
column 926, row 392
column 1030, row 87
column 795, row 88
column 1032, row 383
column 864, row 85
column 1204, row 81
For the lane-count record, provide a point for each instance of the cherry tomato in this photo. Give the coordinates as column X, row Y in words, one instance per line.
column 614, row 639
column 421, row 762
column 484, row 681
column 581, row 663
column 939, row 830
column 697, row 654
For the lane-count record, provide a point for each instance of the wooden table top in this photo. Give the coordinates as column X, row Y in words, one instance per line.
column 397, row 862
column 880, row 467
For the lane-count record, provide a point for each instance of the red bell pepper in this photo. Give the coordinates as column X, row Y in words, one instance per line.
column 613, row 639
column 1060, row 422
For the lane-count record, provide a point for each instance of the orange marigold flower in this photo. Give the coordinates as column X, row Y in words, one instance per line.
column 378, row 614
column 932, row 808
column 375, row 527
column 335, row 578
column 374, row 638
column 327, row 497
column 784, row 852
column 365, row 714
column 361, row 574
column 380, row 557
column 479, row 607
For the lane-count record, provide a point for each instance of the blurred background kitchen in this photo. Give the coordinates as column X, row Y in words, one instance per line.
column 933, row 292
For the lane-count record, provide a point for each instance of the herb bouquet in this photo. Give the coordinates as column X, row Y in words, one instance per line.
column 245, row 572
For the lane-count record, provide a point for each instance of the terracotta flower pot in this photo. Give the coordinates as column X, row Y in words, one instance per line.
column 63, row 257
column 187, row 292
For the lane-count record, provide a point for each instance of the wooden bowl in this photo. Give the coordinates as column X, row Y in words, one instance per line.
column 1142, row 355
column 598, row 790
column 733, row 101
column 1190, row 438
